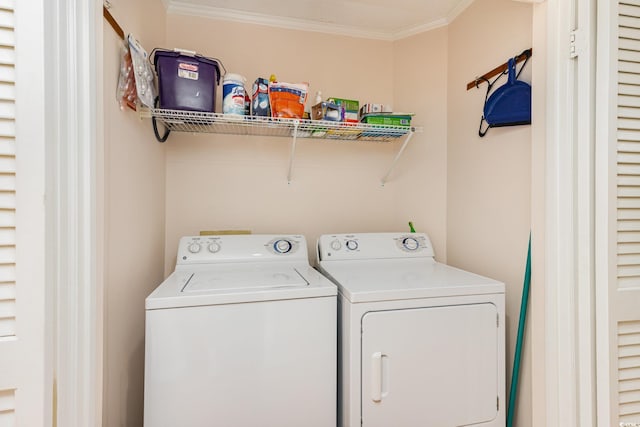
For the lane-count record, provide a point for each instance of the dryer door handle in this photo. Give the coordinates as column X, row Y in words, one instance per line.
column 378, row 376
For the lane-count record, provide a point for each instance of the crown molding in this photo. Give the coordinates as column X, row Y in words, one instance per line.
column 223, row 14
column 460, row 7
column 189, row 9
column 412, row 31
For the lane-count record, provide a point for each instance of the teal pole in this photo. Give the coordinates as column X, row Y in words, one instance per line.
column 516, row 359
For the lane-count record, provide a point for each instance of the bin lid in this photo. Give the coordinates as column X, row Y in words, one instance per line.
column 178, row 54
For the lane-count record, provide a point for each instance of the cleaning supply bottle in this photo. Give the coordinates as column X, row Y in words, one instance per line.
column 308, row 105
column 247, row 103
column 233, row 94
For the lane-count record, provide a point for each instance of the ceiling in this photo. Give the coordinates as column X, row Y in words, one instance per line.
column 375, row 19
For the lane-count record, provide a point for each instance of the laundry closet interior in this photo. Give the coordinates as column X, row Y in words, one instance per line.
column 471, row 195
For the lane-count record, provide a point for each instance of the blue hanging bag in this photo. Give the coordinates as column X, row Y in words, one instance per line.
column 510, row 104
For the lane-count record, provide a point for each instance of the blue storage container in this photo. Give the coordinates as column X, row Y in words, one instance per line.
column 186, row 80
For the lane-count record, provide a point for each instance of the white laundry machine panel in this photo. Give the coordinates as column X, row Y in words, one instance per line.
column 420, row 342
column 242, row 333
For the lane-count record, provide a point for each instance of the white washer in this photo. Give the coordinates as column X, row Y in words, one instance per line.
column 243, row 334
column 420, row 342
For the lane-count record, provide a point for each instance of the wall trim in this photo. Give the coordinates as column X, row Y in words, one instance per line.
column 556, row 254
column 223, row 14
column 226, row 14
column 569, row 248
column 606, row 209
column 72, row 117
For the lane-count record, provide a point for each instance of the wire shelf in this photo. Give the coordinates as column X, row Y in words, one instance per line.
column 198, row 122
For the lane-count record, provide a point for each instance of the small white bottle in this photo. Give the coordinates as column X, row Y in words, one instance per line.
column 318, row 97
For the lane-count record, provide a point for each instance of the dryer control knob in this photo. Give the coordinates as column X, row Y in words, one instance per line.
column 214, row 247
column 282, row 246
column 336, row 245
column 194, row 248
column 352, row 245
column 410, row 244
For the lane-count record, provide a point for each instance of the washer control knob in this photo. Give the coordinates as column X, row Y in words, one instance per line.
column 336, row 245
column 214, row 247
column 352, row 245
column 282, row 246
column 410, row 244
column 194, row 247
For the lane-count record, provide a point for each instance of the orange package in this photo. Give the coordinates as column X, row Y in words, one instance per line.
column 288, row 99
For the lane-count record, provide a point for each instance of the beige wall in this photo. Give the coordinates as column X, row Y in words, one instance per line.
column 420, row 76
column 536, row 322
column 134, row 219
column 489, row 179
column 219, row 182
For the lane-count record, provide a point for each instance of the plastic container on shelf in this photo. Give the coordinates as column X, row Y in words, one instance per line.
column 260, row 104
column 186, row 80
column 233, row 94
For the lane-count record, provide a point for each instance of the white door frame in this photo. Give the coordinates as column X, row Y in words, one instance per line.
column 606, row 213
column 569, row 291
column 73, row 52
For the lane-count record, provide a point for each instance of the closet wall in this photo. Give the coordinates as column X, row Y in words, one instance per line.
column 134, row 167
column 419, row 85
column 489, row 179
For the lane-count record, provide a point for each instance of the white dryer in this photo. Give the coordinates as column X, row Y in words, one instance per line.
column 242, row 334
column 420, row 343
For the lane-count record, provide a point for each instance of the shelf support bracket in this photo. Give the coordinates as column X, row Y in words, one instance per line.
column 395, row 160
column 293, row 150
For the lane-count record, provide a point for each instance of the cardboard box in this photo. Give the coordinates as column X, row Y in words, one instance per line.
column 387, row 119
column 350, row 108
column 375, row 108
column 343, row 133
column 326, row 111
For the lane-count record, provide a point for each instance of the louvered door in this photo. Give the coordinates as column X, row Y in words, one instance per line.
column 22, row 323
column 625, row 311
column 8, row 339
column 622, row 367
column 7, row 175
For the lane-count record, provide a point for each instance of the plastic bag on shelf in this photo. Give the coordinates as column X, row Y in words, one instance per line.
column 126, row 93
column 143, row 72
column 288, row 99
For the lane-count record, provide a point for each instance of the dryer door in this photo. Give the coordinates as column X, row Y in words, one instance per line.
column 435, row 366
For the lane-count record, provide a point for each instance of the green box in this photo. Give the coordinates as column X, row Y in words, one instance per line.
column 387, row 119
column 350, row 105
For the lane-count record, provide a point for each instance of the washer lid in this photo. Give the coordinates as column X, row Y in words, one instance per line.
column 383, row 280
column 238, row 283
column 207, row 281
